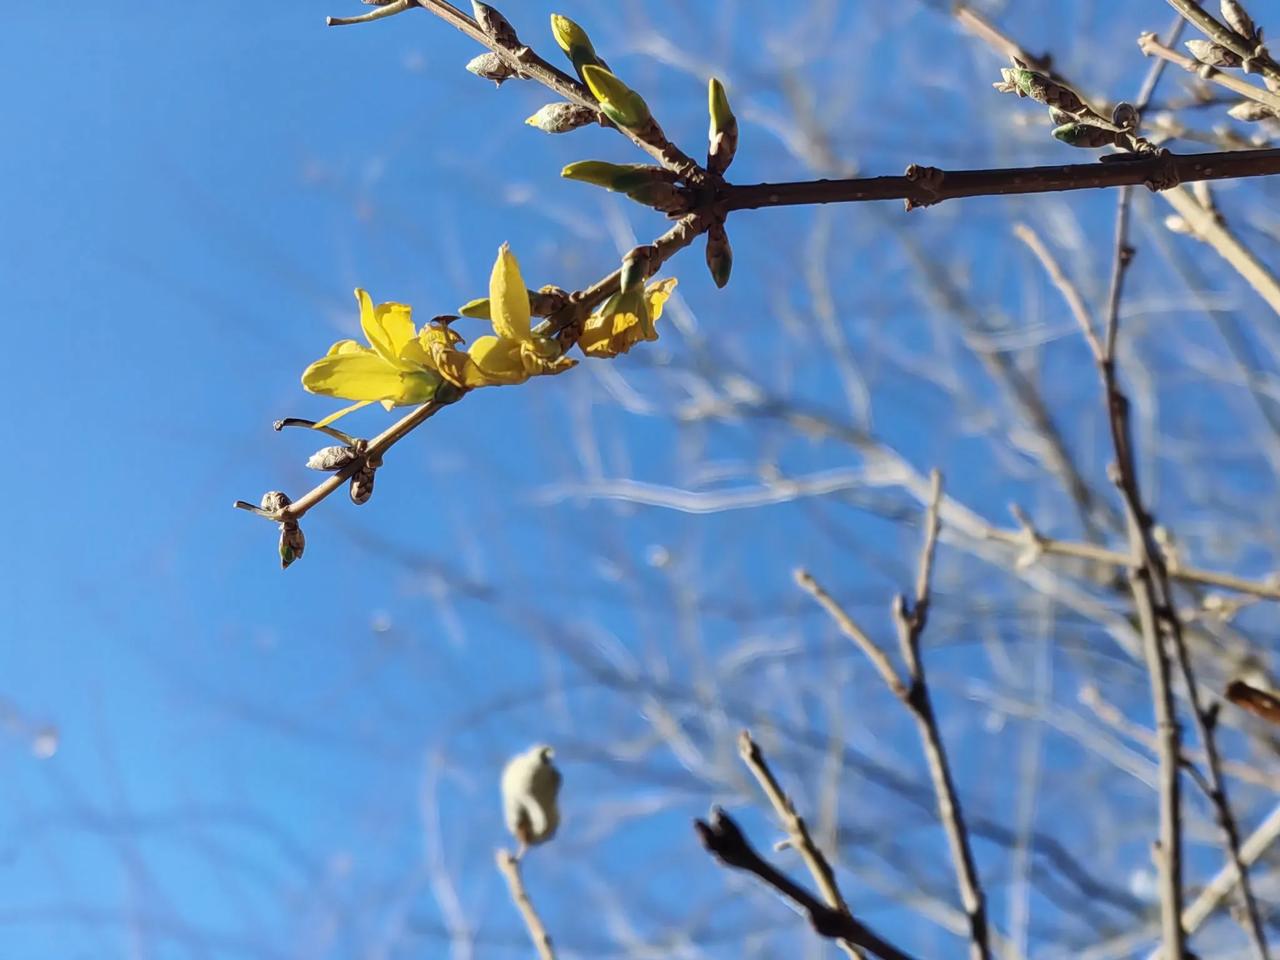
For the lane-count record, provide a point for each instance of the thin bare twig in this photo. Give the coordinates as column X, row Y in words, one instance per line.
column 1205, row 224
column 724, row 840
column 797, row 830
column 914, row 695
column 1151, row 46
column 509, row 867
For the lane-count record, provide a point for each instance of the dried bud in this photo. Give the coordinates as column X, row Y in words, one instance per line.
column 495, row 26
column 1084, row 135
column 562, row 117
column 1238, row 20
column 331, row 458
column 619, row 102
column 723, row 132
column 361, row 485
column 490, row 66
column 1125, row 116
column 292, row 543
column 273, row 501
column 1211, row 54
column 1250, row 111
column 719, row 254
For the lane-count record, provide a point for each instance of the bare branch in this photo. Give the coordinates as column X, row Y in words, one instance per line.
column 724, row 840
column 509, row 867
column 797, row 830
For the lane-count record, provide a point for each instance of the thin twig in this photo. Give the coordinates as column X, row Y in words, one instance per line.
column 1224, row 36
column 797, row 830
column 914, row 695
column 879, row 659
column 1070, row 292
column 724, row 840
column 1151, row 46
column 509, row 867
column 911, row 620
column 1206, row 224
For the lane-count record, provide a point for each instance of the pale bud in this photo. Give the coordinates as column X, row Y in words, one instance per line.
column 530, row 790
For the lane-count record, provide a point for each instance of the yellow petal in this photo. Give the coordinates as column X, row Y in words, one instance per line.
column 388, row 326
column 540, row 357
column 624, row 320
column 347, row 346
column 508, row 298
column 497, row 360
column 658, row 294
column 366, row 376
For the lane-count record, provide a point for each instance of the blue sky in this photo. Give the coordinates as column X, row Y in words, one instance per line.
column 265, row 764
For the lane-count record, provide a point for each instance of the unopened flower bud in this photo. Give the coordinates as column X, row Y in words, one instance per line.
column 495, row 26
column 273, row 501
column 719, row 254
column 723, row 132
column 562, row 117
column 530, row 796
column 490, row 66
column 1250, row 111
column 619, row 102
column 331, row 458
column 1213, row 55
column 1238, row 20
column 292, row 543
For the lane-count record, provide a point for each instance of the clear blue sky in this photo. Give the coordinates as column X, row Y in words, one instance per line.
column 247, row 760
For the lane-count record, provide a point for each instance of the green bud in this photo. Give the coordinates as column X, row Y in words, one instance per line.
column 719, row 254
column 619, row 102
column 1084, row 135
column 723, row 133
column 573, row 40
column 619, row 177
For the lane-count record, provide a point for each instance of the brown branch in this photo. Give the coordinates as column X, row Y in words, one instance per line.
column 797, row 830
column 509, row 867
column 1154, row 604
column 724, row 840
column 935, row 185
column 914, row 695
column 911, row 620
column 879, row 659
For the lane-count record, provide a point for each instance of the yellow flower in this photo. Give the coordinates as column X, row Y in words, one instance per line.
column 396, row 369
column 514, row 353
column 625, row 319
